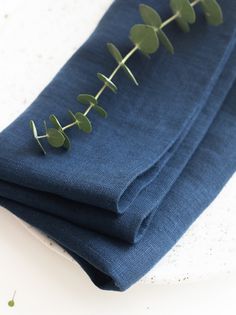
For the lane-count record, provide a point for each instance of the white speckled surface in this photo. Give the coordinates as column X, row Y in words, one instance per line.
column 36, row 38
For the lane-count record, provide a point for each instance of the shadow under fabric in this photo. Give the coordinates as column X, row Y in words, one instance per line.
column 123, row 195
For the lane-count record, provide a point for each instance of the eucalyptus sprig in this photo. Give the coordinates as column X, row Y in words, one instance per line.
column 11, row 302
column 146, row 38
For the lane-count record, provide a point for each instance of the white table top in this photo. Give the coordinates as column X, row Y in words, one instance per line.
column 37, row 37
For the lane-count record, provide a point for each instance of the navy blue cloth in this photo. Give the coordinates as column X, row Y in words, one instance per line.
column 122, row 197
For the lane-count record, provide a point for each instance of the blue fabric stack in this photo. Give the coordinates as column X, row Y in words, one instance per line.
column 122, row 196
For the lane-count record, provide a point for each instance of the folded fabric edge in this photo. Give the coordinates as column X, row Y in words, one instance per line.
column 24, row 197
column 101, row 277
column 119, row 210
column 104, row 272
column 132, row 188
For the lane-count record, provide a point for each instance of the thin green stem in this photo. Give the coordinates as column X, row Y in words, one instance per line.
column 11, row 303
column 64, row 128
column 69, row 126
column 41, row 137
column 125, row 59
column 120, row 65
column 104, row 85
column 14, row 294
column 195, row 2
column 171, row 19
column 177, row 14
column 91, row 105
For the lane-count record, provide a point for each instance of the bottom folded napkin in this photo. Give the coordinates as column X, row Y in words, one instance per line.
column 115, row 264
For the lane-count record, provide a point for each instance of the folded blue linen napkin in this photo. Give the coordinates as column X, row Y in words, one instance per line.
column 132, row 225
column 134, row 178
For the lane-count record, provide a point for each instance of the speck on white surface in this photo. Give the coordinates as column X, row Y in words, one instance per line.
column 196, row 277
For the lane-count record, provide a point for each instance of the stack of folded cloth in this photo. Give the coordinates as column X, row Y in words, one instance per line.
column 123, row 196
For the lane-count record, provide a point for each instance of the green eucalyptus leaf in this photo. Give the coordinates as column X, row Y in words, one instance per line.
column 55, row 122
column 83, row 122
column 185, row 10
column 74, row 119
column 35, row 134
column 40, row 146
column 107, row 82
column 130, row 74
column 165, row 41
column 55, row 137
column 72, row 115
column 176, row 6
column 113, row 50
column 186, row 13
column 87, row 99
column 150, row 16
column 145, row 38
column 11, row 303
column 34, row 129
column 101, row 111
column 66, row 144
column 45, row 126
column 184, row 26
column 213, row 12
column 58, row 126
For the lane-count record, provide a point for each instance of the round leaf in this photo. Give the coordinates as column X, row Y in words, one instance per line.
column 72, row 115
column 83, row 122
column 55, row 122
column 107, row 82
column 188, row 12
column 11, row 303
column 176, row 6
column 58, row 126
column 66, row 144
column 87, row 99
column 183, row 25
column 55, row 138
column 150, row 16
column 100, row 111
column 34, row 129
column 165, row 41
column 213, row 12
column 145, row 38
column 185, row 10
column 130, row 74
column 35, row 134
column 113, row 50
column 40, row 146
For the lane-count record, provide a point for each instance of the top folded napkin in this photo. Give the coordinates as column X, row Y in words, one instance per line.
column 114, row 181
